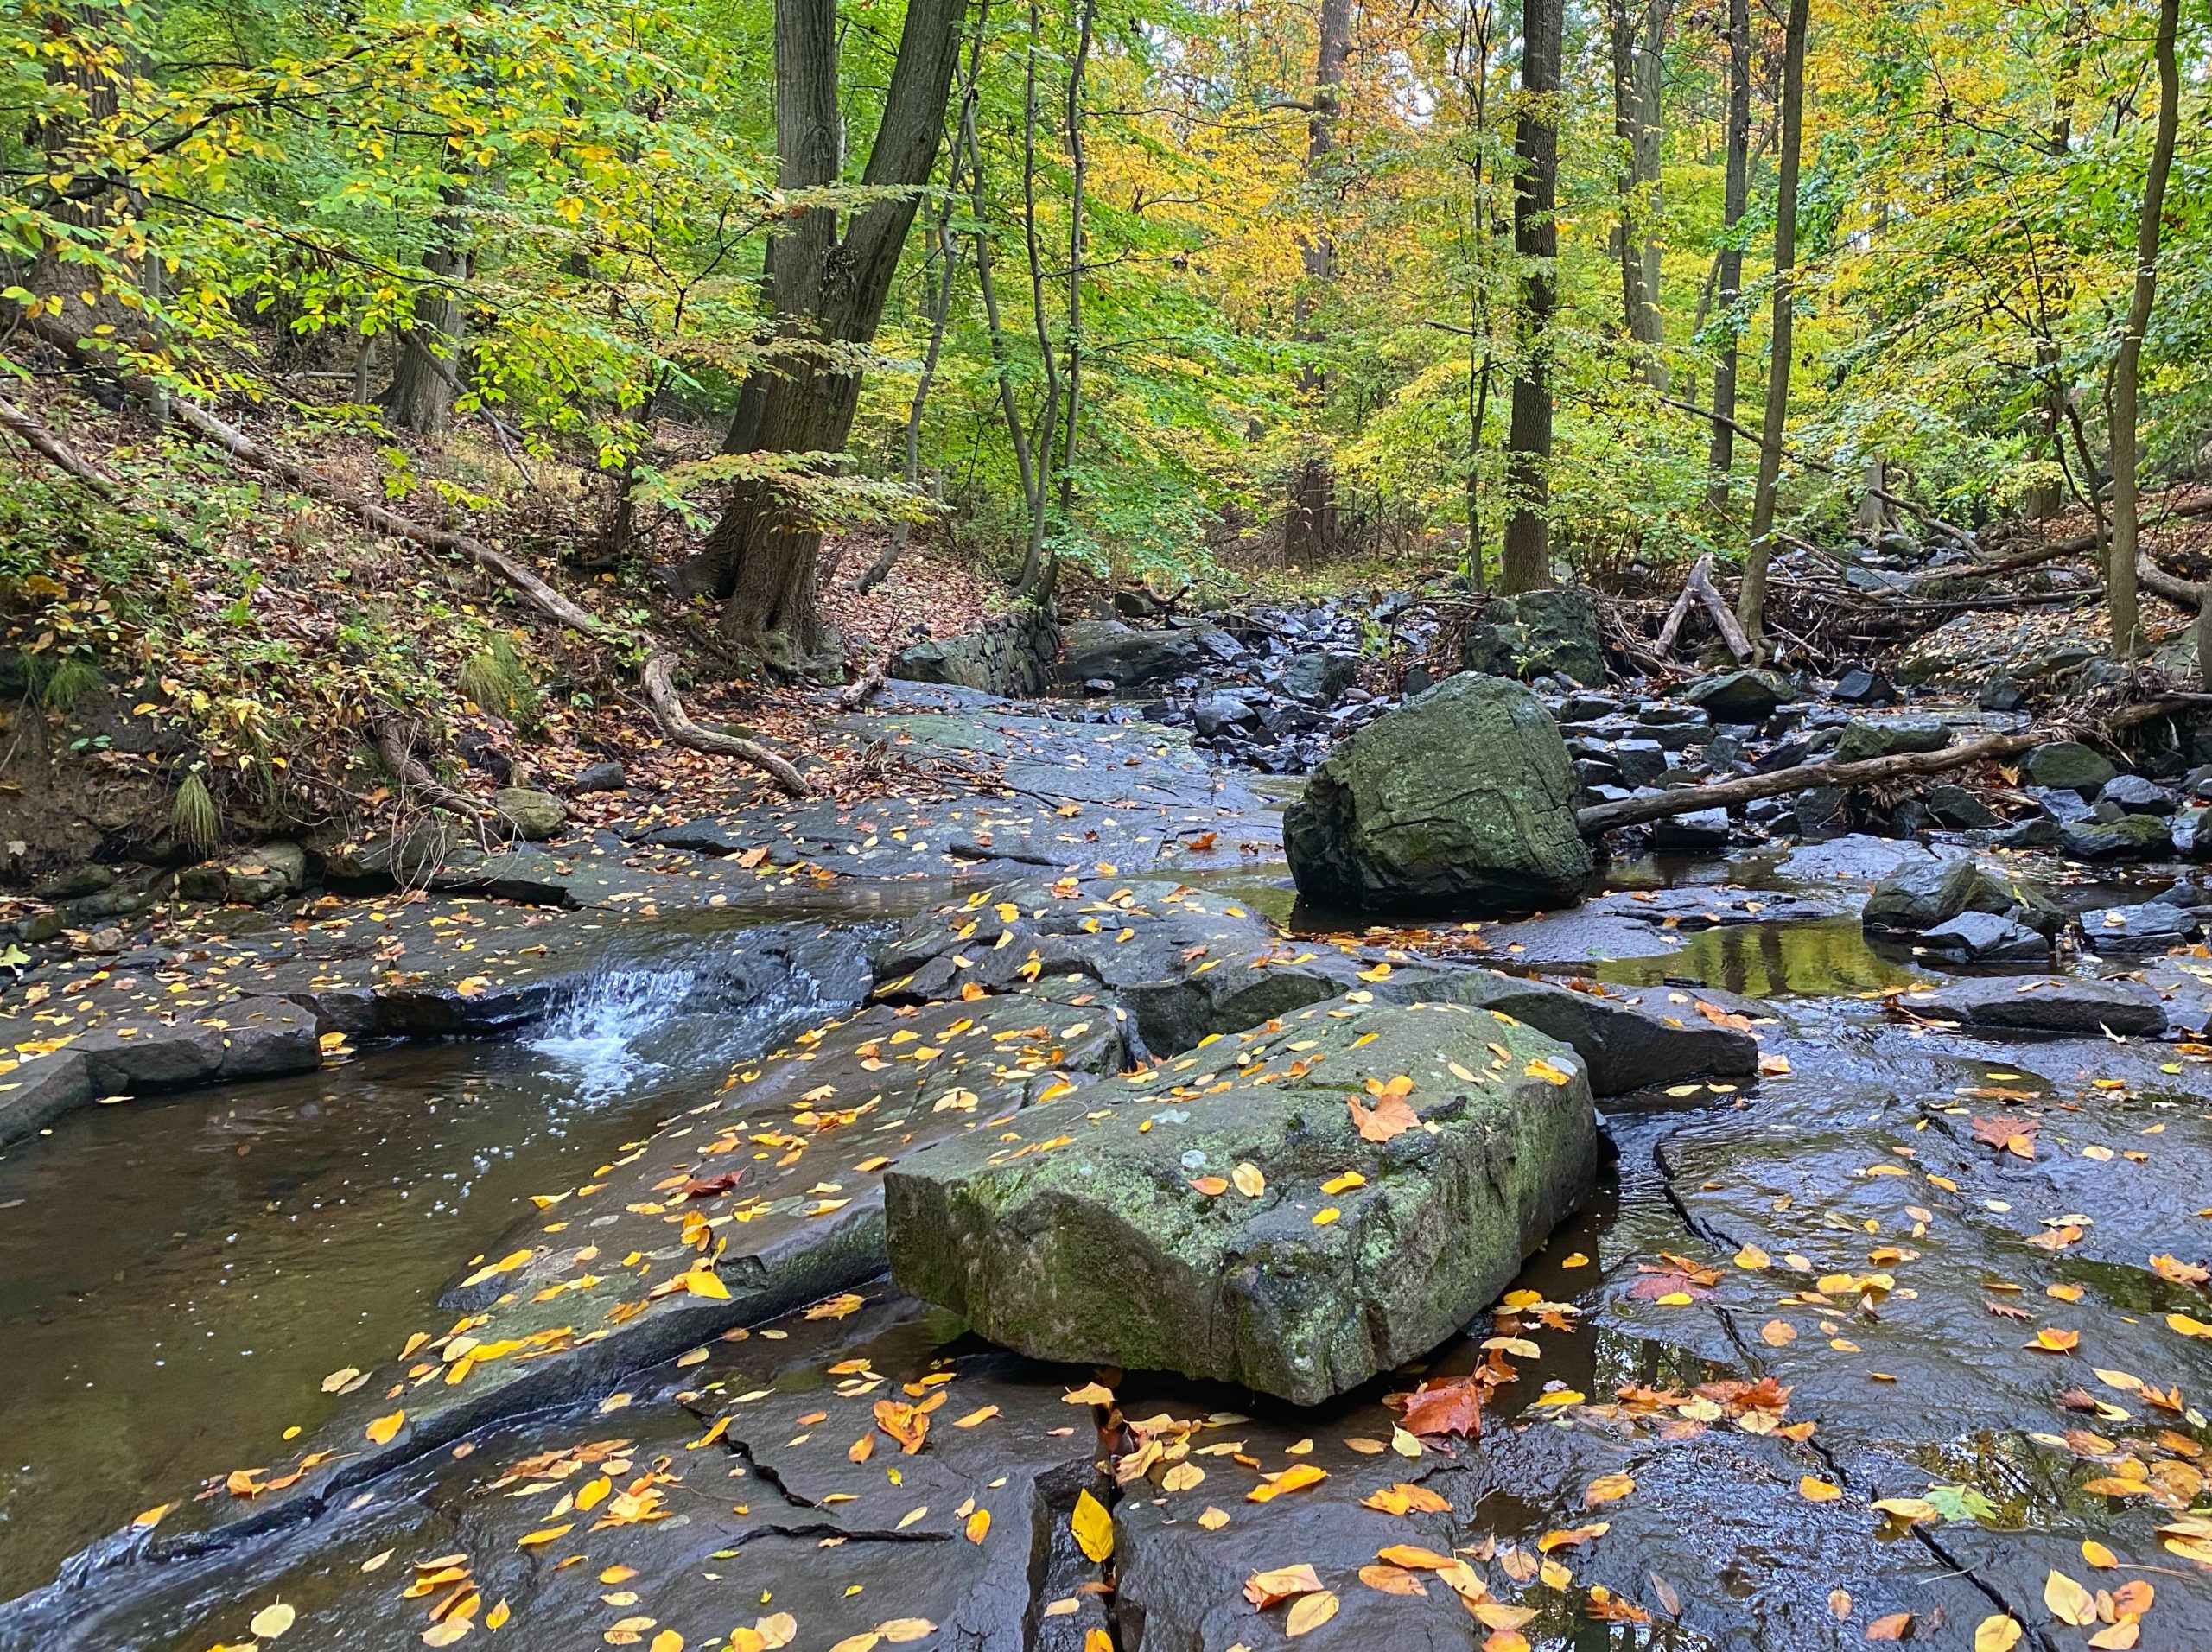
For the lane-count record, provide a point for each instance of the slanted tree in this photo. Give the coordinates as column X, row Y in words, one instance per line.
column 1751, row 601
column 1527, row 557
column 832, row 273
column 2126, row 372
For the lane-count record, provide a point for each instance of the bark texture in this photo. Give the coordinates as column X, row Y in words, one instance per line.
column 1536, row 240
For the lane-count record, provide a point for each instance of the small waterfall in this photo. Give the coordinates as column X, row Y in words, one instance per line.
column 593, row 1034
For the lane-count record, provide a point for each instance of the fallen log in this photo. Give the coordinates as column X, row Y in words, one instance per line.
column 1726, row 794
column 668, row 710
column 35, row 431
column 1698, row 586
column 852, row 697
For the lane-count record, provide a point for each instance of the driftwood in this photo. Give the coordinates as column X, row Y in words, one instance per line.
column 667, row 705
column 1698, row 586
column 1718, row 794
column 858, row 694
column 668, row 710
column 42, row 437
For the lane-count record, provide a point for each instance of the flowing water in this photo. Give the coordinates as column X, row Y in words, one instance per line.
column 177, row 1275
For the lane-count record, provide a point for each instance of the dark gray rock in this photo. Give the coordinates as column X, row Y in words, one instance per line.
column 1748, row 696
column 2138, row 931
column 38, row 1091
column 1640, row 761
column 2054, row 1005
column 1860, row 687
column 1924, row 894
column 2067, row 763
column 2132, row 794
column 1215, row 715
column 1099, row 1248
column 1462, row 799
column 1706, row 830
column 74, row 882
column 1723, row 752
column 1984, row 937
column 608, row 776
column 2038, row 834
column 2061, row 804
column 1123, row 657
column 1536, row 634
column 1320, row 677
column 1865, row 739
column 1956, row 807
column 2132, row 837
column 1016, row 655
column 1822, row 811
column 2001, row 694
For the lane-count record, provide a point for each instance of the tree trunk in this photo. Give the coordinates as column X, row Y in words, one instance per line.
column 1033, row 559
column 1309, row 523
column 1639, row 38
column 827, row 289
column 1077, row 242
column 421, row 394
column 2120, row 578
column 1527, row 562
column 2048, row 499
column 1751, row 601
column 1721, row 456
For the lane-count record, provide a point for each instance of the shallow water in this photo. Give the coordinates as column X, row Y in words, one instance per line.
column 177, row 1275
column 1825, row 957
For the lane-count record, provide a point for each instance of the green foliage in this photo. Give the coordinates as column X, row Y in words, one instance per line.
column 194, row 819
column 498, row 681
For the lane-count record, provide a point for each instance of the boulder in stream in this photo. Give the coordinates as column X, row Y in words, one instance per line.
column 1230, row 1215
column 1925, row 894
column 1462, row 800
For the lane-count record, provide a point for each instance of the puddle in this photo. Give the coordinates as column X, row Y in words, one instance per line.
column 1820, row 957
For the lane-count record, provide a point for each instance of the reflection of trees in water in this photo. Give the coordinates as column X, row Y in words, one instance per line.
column 1826, row 957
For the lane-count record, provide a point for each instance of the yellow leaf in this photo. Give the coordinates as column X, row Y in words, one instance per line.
column 1751, row 1257
column 1093, row 1527
column 1096, row 1640
column 545, row 1535
column 1996, row 1634
column 497, row 1618
column 447, row 1633
column 776, row 1629
column 153, row 1517
column 2098, row 1556
column 667, row 1641
column 1540, row 1068
column 979, row 1524
column 899, row 1631
column 1309, row 1612
column 1608, row 1487
column 338, row 1379
column 1249, row 1180
column 1325, row 1215
column 976, row 1417
column 1214, row 1519
column 1815, row 1490
column 272, row 1621
column 1296, row 1477
column 2069, row 1602
column 1343, row 1184
column 381, row 1429
column 704, row 1281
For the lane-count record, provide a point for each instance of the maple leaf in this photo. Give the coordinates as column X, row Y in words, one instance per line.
column 1445, row 1405
column 1389, row 1118
column 2008, row 1132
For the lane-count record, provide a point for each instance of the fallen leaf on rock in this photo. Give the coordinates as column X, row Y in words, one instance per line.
column 1446, row 1404
column 1778, row 1333
column 1894, row 1627
column 1297, row 1477
column 2069, row 1602
column 2098, row 1556
column 1090, row 1393
column 272, row 1621
column 1817, row 1490
column 381, row 1429
column 1997, row 1633
column 1309, row 1612
column 1213, row 1519
column 1571, row 1537
column 1266, row 1589
column 1391, row 1581
column 2052, row 1340
column 1093, row 1527
column 1387, row 1120
column 1607, row 1488
column 1403, row 1498
column 2008, row 1134
column 2181, row 1273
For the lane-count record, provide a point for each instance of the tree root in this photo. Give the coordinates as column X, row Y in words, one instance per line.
column 668, row 711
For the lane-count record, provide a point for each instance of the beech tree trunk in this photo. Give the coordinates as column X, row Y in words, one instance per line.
column 1310, row 521
column 1638, row 39
column 1722, row 455
column 1526, row 562
column 1751, row 601
column 828, row 288
column 2120, row 577
column 427, row 375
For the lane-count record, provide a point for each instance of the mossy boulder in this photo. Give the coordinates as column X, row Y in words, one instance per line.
column 1225, row 1217
column 1462, row 800
column 534, row 815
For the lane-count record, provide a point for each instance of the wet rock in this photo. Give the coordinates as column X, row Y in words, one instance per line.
column 1016, row 654
column 1862, row 739
column 1088, row 1240
column 1746, row 696
column 38, row 1091
column 2137, row 932
column 1985, row 938
column 1625, row 1047
column 2132, row 837
column 1320, row 677
column 1703, row 831
column 1860, row 687
column 74, row 882
column 1924, row 894
column 2057, row 1007
column 247, row 1038
column 1563, row 630
column 1123, row 657
column 608, row 776
column 1823, row 812
column 1217, row 714
column 535, row 814
column 2190, row 830
column 270, row 872
column 1640, row 761
column 1461, row 800
column 1723, row 752
column 2001, row 694
column 1956, row 807
column 2067, row 763
column 2132, row 794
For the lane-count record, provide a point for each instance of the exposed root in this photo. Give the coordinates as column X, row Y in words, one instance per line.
column 668, row 711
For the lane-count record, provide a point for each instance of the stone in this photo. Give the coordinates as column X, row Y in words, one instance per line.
column 2038, row 834
column 1985, row 938
column 1106, row 651
column 1955, row 806
column 2056, row 803
column 1460, row 800
column 1822, row 811
column 1220, row 714
column 2001, row 694
column 2137, row 932
column 275, row 870
column 2132, row 794
column 2067, row 763
column 1924, row 894
column 1320, row 677
column 1016, row 655
column 2191, row 831
column 1862, row 740
column 1640, row 761
column 2132, row 837
column 1562, row 630
column 1706, row 830
column 1723, row 752
column 38, row 1091
column 608, row 776
column 246, row 1038
column 1747, row 696
column 1100, row 1248
column 2059, row 1006
column 536, row 815
column 1860, row 687
column 72, row 882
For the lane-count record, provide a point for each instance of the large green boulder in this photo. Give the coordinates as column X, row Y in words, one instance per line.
column 1462, row 800
column 1225, row 1215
